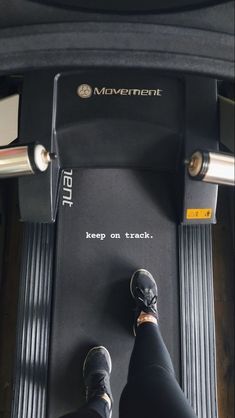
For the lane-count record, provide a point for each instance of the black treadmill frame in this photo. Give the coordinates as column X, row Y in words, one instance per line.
column 195, row 274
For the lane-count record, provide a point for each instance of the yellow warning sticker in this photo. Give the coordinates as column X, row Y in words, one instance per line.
column 199, row 213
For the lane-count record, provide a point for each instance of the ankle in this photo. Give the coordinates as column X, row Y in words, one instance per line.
column 107, row 399
column 146, row 317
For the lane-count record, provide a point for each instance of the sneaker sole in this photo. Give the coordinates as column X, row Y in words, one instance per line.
column 143, row 271
column 108, row 358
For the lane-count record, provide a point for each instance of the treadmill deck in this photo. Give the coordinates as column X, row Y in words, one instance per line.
column 92, row 302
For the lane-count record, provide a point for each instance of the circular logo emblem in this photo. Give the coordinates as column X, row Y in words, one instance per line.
column 84, row 91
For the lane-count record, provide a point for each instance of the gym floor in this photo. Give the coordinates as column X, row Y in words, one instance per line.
column 223, row 247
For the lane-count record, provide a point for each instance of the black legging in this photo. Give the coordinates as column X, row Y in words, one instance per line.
column 152, row 390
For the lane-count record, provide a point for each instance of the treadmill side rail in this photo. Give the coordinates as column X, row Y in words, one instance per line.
column 33, row 329
column 198, row 345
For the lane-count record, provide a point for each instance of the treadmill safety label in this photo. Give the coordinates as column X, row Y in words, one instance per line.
column 199, row 213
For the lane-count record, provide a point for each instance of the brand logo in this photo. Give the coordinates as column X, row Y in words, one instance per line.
column 67, row 196
column 85, row 91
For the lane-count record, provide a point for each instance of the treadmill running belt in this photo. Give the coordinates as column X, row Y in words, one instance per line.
column 92, row 303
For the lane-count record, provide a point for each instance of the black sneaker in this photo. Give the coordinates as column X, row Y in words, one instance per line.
column 97, row 368
column 144, row 291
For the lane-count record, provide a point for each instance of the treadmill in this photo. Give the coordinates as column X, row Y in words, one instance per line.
column 117, row 196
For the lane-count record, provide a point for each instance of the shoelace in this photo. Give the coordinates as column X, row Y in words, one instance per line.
column 99, row 387
column 149, row 303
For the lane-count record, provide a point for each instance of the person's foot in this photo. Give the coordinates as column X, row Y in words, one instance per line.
column 144, row 291
column 97, row 368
